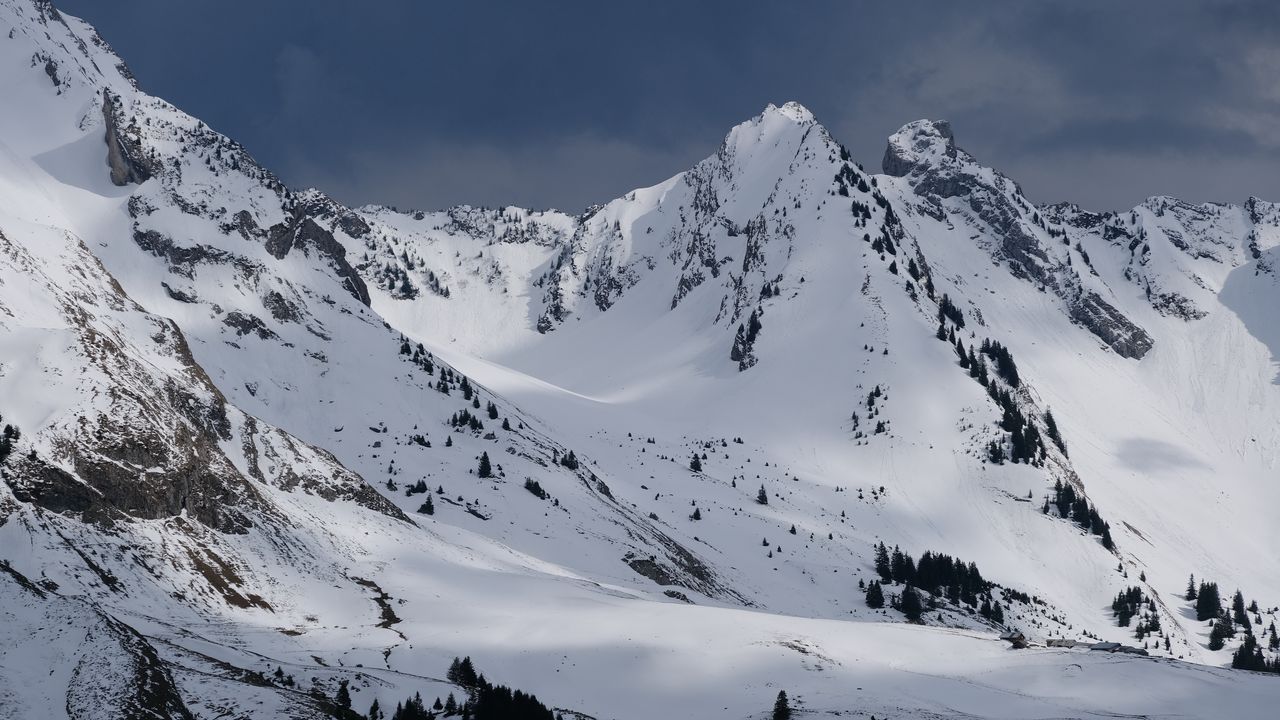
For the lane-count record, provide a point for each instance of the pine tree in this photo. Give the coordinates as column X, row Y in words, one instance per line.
column 781, row 707
column 762, row 497
column 427, row 507
column 467, row 677
column 375, row 712
column 883, row 568
column 697, row 514
column 1051, row 428
column 485, row 469
column 875, row 596
column 902, row 567
column 1208, row 603
column 343, row 698
column 1221, row 631
column 695, row 464
column 1238, row 615
column 912, row 607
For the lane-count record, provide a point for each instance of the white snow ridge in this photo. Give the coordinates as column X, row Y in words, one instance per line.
column 270, row 456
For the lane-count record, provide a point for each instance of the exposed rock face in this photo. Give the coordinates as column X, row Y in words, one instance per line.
column 125, row 155
column 189, row 476
column 151, row 438
column 1116, row 330
column 304, row 233
column 953, row 187
column 898, row 162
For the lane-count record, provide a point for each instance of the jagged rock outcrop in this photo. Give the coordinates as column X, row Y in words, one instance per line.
column 951, row 186
column 125, row 155
column 1109, row 324
column 305, row 234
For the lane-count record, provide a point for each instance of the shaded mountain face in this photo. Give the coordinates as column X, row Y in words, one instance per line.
column 259, row 430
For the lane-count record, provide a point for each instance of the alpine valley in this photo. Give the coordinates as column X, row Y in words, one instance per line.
column 782, row 422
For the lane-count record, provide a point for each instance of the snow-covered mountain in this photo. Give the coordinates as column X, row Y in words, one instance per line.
column 638, row 460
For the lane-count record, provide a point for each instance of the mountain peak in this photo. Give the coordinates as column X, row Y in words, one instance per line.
column 791, row 110
column 919, row 143
column 772, row 122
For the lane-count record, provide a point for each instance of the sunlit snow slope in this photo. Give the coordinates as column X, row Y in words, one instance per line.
column 253, row 426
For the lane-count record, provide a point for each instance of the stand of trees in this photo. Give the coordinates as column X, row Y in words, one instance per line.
column 1024, row 439
column 937, row 574
column 1249, row 656
column 1209, row 608
column 485, row 701
column 1076, row 507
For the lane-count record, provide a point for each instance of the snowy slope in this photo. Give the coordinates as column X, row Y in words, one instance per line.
column 229, row 391
column 1091, row 344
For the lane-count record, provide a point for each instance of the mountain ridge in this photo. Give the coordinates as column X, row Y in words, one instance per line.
column 241, row 405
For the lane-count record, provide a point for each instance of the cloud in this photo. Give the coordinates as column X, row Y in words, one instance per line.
column 569, row 173
column 575, row 103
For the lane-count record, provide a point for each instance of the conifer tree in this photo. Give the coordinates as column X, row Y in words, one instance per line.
column 782, row 707
column 875, row 596
column 762, row 497
column 467, row 677
column 695, row 464
column 1051, row 429
column 1221, row 631
column 485, row 469
column 912, row 607
column 343, row 697
column 1238, row 615
column 883, row 568
column 1208, row 603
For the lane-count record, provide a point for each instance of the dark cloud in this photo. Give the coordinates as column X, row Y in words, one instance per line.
column 569, row 103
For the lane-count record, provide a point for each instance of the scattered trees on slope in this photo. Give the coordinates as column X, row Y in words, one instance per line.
column 1069, row 504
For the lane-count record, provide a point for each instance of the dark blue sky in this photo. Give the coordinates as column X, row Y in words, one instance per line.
column 428, row 104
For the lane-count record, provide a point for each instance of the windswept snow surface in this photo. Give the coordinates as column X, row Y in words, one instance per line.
column 229, row 393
